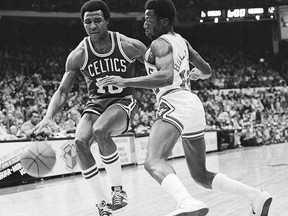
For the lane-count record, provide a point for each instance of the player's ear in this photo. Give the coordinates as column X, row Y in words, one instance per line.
column 164, row 22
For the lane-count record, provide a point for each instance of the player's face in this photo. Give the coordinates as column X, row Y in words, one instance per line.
column 152, row 25
column 94, row 23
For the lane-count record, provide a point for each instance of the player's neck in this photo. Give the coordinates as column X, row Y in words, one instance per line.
column 102, row 44
column 169, row 30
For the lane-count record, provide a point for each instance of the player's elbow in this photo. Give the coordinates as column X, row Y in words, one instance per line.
column 210, row 69
column 207, row 72
column 168, row 80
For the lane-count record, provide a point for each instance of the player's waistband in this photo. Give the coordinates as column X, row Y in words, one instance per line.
column 170, row 91
column 125, row 97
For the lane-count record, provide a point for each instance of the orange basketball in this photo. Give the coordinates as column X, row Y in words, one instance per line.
column 39, row 159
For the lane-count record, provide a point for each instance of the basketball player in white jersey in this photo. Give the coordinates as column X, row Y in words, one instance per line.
column 109, row 109
column 180, row 113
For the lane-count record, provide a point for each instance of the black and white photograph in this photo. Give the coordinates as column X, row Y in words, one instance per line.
column 143, row 108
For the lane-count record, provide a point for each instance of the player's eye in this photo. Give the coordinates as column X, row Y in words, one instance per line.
column 97, row 20
column 87, row 21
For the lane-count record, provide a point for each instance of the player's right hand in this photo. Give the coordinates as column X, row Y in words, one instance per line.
column 42, row 124
column 111, row 80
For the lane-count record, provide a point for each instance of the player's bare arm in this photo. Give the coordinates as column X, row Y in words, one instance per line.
column 73, row 64
column 133, row 48
column 161, row 54
column 199, row 63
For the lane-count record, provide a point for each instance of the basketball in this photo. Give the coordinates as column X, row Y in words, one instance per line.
column 39, row 159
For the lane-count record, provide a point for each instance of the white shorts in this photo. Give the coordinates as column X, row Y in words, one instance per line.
column 183, row 109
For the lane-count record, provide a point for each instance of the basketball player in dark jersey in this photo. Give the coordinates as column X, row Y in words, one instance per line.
column 109, row 109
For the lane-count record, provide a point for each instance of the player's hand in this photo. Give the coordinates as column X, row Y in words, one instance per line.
column 42, row 124
column 196, row 74
column 111, row 80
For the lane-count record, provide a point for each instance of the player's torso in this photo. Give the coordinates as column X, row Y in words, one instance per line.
column 97, row 66
column 181, row 65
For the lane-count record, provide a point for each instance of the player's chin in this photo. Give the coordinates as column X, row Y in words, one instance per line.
column 148, row 35
column 94, row 34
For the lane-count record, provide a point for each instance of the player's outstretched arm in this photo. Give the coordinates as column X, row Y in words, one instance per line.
column 202, row 68
column 162, row 52
column 73, row 64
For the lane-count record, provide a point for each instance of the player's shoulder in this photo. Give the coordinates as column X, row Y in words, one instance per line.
column 77, row 55
column 131, row 46
column 79, row 51
column 160, row 46
column 128, row 42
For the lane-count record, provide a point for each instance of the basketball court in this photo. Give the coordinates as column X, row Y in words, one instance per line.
column 262, row 167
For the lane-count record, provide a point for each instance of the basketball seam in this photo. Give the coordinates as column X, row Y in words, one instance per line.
column 37, row 157
column 36, row 154
column 40, row 154
column 34, row 161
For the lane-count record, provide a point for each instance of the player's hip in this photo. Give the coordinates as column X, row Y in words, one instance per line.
column 98, row 106
column 185, row 111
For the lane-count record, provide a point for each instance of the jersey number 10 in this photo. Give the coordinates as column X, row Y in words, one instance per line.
column 108, row 89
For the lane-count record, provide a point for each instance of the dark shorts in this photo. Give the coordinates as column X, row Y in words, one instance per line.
column 128, row 104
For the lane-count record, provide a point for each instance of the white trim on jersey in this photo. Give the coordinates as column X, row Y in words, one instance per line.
column 121, row 49
column 91, row 111
column 105, row 54
column 86, row 54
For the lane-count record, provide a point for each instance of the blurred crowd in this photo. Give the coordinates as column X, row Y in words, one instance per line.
column 244, row 95
column 234, row 69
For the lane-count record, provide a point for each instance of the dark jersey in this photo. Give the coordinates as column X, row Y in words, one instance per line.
column 97, row 66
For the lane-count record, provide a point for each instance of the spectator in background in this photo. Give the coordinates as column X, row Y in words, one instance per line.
column 73, row 118
column 55, row 130
column 237, row 126
column 59, row 119
column 18, row 115
column 14, row 132
column 41, row 101
column 3, row 129
column 10, row 118
column 4, row 133
column 28, row 127
column 248, row 137
column 8, row 106
column 144, row 125
column 19, row 123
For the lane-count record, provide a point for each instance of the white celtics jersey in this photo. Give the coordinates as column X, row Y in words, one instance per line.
column 181, row 65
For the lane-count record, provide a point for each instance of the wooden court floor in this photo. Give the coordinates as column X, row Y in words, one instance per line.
column 262, row 167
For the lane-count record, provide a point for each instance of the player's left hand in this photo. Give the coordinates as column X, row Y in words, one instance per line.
column 196, row 74
column 111, row 80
